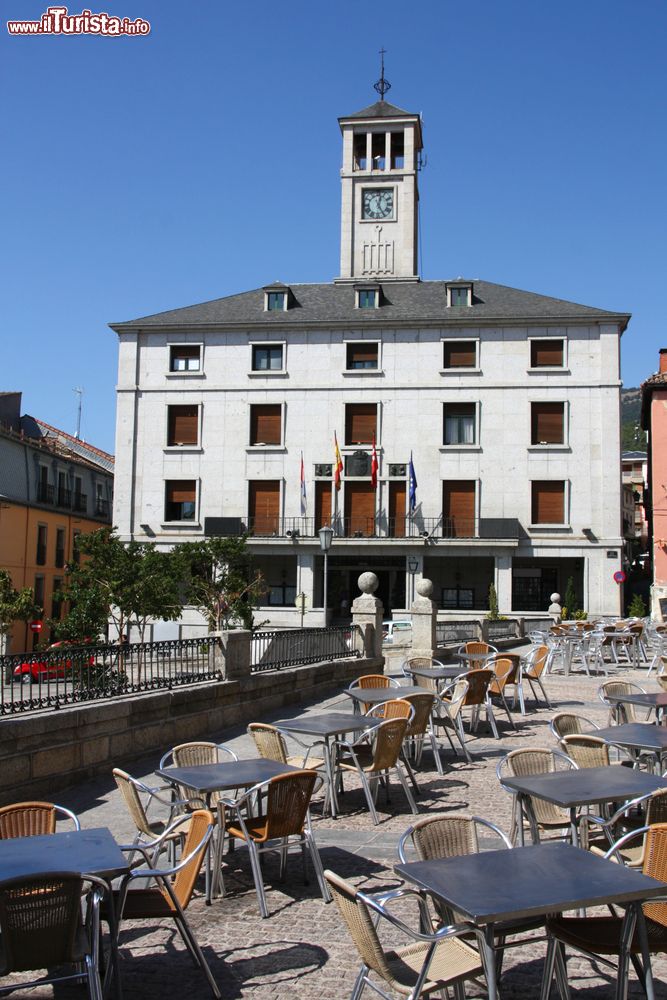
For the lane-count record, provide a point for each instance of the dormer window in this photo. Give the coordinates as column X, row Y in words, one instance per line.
column 459, row 295
column 368, row 298
column 276, row 301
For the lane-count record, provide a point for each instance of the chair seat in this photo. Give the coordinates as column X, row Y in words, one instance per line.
column 453, row 960
column 365, row 756
column 80, row 948
column 602, row 934
column 311, row 763
column 257, row 827
column 143, row 904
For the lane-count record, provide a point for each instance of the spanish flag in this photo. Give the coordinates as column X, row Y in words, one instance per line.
column 338, row 470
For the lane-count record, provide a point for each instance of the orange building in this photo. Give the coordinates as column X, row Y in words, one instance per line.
column 53, row 487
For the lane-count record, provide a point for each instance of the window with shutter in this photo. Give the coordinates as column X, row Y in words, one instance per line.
column 362, row 356
column 183, row 425
column 547, row 423
column 360, row 423
column 458, row 508
column 266, row 424
column 459, row 354
column 546, row 353
column 322, row 505
column 548, row 502
column 359, row 509
column 459, row 423
column 180, row 500
column 397, row 509
column 264, row 506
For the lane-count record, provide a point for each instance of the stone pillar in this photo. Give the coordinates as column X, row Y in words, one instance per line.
column 504, row 583
column 232, row 653
column 555, row 608
column 424, row 614
column 367, row 612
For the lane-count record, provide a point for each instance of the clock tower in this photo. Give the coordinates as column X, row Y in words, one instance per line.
column 379, row 217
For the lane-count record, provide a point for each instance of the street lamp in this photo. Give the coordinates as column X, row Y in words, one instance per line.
column 326, row 536
column 413, row 566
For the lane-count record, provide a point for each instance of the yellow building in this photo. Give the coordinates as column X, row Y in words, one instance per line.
column 53, row 487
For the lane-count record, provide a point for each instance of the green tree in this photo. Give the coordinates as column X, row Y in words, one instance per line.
column 571, row 604
column 637, row 607
column 15, row 605
column 219, row 580
column 493, row 615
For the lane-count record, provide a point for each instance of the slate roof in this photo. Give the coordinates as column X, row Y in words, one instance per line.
column 381, row 109
column 404, row 303
column 75, row 445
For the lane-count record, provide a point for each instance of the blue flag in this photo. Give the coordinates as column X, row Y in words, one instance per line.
column 412, row 485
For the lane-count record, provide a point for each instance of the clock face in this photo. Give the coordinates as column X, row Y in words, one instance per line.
column 378, row 203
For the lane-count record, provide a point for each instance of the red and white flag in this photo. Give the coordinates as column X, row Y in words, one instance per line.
column 374, row 466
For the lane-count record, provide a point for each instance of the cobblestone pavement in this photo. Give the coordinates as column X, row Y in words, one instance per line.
column 302, row 951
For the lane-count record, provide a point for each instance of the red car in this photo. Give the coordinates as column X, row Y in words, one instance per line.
column 51, row 667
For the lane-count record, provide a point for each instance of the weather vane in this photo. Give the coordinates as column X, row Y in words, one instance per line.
column 382, row 86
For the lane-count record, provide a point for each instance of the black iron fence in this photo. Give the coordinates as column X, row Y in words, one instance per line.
column 271, row 650
column 382, row 526
column 70, row 674
column 451, row 632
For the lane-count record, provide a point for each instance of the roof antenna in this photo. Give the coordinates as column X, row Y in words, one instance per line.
column 382, row 86
column 79, row 391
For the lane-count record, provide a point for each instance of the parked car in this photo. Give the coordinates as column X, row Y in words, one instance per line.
column 395, row 631
column 52, row 666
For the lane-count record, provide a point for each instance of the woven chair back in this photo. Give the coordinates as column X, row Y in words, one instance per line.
column 503, row 668
column 27, row 819
column 568, row 724
column 423, row 706
column 656, row 808
column 655, row 865
column 419, row 661
column 269, row 742
column 524, row 764
column 476, row 647
column 616, row 688
column 445, row 837
column 457, row 697
column 586, row 751
column 39, row 920
column 194, row 754
column 396, row 708
column 186, row 879
column 133, row 802
column 389, row 737
column 373, row 681
column 360, row 925
column 537, row 662
column 478, row 684
column 288, row 798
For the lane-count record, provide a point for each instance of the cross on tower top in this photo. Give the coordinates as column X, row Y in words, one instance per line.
column 382, row 85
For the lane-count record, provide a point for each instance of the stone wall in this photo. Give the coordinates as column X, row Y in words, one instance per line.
column 41, row 753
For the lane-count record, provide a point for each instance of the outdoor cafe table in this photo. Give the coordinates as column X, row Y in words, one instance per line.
column 474, row 661
column 85, row 852
column 375, row 696
column 637, row 736
column 653, row 699
column 327, row 727
column 580, row 787
column 437, row 673
column 205, row 779
column 528, row 882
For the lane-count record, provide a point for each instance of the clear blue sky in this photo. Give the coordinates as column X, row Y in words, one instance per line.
column 143, row 174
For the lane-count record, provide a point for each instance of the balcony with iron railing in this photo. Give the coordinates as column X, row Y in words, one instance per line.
column 102, row 507
column 382, row 527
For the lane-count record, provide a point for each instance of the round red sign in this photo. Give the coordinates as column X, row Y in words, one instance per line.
column 36, row 626
column 619, row 576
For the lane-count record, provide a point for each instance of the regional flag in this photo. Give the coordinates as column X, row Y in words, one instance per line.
column 339, row 464
column 412, row 484
column 303, row 489
column 374, row 465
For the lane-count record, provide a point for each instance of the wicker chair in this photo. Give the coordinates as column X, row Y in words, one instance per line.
column 193, row 755
column 504, row 674
column 631, row 854
column 170, row 895
column 30, row 819
column 586, row 751
column 447, row 713
column 421, row 725
column 598, row 936
column 478, row 697
column 404, row 708
column 373, row 681
column 287, row 800
column 149, row 831
column 473, row 646
column 543, row 816
column 431, row 962
column 620, row 712
column 41, row 928
column 532, row 668
column 570, row 724
column 420, row 663
column 372, row 757
column 271, row 745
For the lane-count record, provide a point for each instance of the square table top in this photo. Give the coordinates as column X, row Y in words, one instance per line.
column 328, row 724
column 437, row 673
column 653, row 699
column 375, row 696
column 586, row 785
column 88, row 852
column 528, row 882
column 226, row 775
column 640, row 735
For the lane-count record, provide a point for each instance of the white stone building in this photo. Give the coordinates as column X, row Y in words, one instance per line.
column 507, row 401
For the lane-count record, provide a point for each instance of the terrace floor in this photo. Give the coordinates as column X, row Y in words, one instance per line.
column 302, row 951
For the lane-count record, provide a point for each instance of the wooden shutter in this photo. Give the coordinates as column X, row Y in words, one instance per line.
column 264, row 506
column 546, row 353
column 181, row 491
column 359, row 508
column 547, row 423
column 360, row 423
column 548, row 506
column 362, row 355
column 460, row 354
column 183, row 425
column 322, row 505
column 266, row 424
column 397, row 509
column 458, row 508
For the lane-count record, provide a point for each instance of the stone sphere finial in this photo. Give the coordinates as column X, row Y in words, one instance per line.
column 424, row 588
column 368, row 583
column 555, row 598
